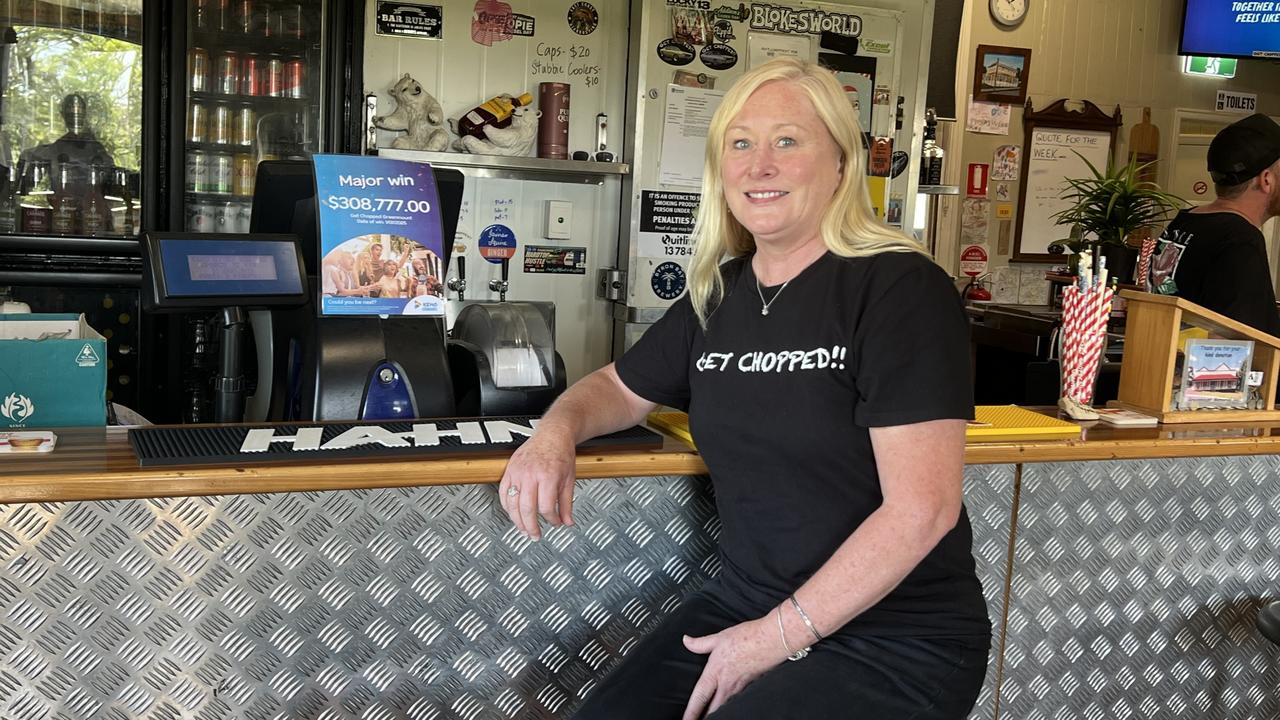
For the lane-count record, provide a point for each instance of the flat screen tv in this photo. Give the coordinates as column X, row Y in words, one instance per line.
column 1231, row 28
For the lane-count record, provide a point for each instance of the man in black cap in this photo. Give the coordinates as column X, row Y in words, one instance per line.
column 1215, row 255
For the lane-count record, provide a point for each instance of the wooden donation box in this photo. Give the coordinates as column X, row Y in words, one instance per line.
column 1152, row 374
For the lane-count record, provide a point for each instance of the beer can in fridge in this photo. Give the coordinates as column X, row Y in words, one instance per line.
column 216, row 15
column 198, row 69
column 246, row 171
column 272, row 22
column 228, row 82
column 273, row 77
column 295, row 73
column 246, row 130
column 197, row 122
column 291, row 19
column 224, row 217
column 245, row 17
column 250, row 75
column 244, row 211
column 200, row 217
column 221, row 174
column 220, row 125
column 197, row 171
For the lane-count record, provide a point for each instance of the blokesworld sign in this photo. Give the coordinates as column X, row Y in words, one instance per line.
column 803, row 21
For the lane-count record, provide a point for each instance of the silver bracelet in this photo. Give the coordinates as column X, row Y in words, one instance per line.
column 817, row 637
column 782, row 633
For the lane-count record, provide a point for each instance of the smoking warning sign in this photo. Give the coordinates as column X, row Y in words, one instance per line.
column 666, row 223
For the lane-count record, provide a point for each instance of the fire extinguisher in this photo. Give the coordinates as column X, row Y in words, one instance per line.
column 975, row 291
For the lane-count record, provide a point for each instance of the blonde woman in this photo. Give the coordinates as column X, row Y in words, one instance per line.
column 824, row 362
column 364, row 268
column 391, row 284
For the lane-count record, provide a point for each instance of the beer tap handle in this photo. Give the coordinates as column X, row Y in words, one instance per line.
column 459, row 284
column 501, row 286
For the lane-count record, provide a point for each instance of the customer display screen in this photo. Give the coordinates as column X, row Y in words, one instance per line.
column 214, row 267
column 232, row 267
column 1231, row 28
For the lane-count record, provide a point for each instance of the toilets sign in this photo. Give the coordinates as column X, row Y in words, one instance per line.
column 1236, row 102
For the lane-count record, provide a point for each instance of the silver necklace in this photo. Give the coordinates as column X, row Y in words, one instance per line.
column 764, row 306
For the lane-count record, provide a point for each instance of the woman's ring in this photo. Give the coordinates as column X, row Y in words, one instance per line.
column 513, row 491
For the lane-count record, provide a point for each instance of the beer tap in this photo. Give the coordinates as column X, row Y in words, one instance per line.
column 459, row 284
column 501, row 286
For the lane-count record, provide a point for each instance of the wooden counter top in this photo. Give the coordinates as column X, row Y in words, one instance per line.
column 98, row 464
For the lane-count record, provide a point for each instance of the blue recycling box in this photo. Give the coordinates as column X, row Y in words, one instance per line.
column 53, row 372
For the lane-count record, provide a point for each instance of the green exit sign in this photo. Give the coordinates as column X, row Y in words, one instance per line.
column 1210, row 66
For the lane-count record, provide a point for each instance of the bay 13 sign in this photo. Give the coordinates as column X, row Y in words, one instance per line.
column 410, row 20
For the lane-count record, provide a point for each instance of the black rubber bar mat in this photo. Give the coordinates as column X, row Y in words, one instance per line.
column 244, row 444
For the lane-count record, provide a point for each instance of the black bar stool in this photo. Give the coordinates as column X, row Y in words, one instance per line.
column 1269, row 622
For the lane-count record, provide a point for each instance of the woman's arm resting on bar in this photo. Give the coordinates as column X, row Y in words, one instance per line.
column 542, row 469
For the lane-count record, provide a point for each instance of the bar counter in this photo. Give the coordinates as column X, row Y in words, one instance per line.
column 1122, row 572
column 98, row 464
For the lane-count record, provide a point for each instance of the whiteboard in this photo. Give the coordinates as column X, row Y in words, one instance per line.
column 1050, row 160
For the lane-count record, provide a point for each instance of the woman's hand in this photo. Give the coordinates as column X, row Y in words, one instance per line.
column 539, row 480
column 739, row 654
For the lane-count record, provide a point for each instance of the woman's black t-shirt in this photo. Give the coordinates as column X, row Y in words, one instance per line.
column 780, row 408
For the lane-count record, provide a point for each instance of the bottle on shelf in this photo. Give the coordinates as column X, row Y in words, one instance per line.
column 97, row 218
column 931, row 156
column 35, row 210
column 121, row 203
column 66, row 205
column 9, row 202
column 496, row 112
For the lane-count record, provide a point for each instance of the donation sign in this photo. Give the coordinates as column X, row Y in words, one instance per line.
column 381, row 242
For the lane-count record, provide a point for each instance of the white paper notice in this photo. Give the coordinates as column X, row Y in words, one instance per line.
column 684, row 134
column 988, row 118
column 763, row 47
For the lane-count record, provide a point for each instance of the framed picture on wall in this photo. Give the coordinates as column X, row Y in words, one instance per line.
column 1000, row 74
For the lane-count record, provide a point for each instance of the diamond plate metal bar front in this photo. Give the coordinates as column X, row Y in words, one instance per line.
column 419, row 603
column 404, row 603
column 988, row 496
column 1135, row 590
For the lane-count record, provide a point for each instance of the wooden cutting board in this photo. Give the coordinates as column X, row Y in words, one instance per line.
column 1144, row 142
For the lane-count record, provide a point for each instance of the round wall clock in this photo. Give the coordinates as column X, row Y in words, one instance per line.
column 1009, row 13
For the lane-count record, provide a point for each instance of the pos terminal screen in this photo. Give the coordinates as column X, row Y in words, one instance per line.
column 214, row 267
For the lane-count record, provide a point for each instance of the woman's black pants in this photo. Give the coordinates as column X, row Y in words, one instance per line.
column 876, row 678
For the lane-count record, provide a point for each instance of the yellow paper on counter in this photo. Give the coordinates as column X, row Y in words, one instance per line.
column 1009, row 422
column 673, row 423
column 992, row 423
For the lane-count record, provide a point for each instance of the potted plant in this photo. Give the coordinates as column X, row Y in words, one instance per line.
column 1109, row 210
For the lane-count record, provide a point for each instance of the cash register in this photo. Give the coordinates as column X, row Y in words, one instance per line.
column 502, row 360
column 183, row 272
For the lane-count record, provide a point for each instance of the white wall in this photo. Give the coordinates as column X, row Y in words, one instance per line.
column 905, row 24
column 461, row 74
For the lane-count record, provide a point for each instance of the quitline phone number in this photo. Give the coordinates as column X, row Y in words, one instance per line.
column 377, row 204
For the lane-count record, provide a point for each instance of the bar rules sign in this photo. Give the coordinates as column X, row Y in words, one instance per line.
column 410, row 20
